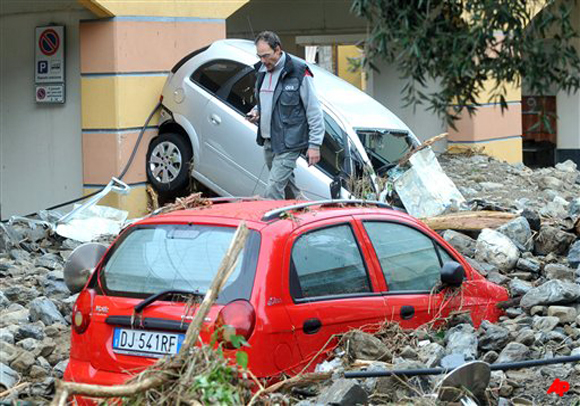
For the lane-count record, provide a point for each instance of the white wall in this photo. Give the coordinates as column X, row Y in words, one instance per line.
column 386, row 87
column 40, row 145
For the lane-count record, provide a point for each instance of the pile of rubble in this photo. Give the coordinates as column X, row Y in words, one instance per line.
column 35, row 309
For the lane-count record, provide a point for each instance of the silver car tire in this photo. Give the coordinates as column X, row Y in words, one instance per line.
column 167, row 163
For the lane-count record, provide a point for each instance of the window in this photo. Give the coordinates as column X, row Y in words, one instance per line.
column 384, row 146
column 242, row 96
column 185, row 257
column 328, row 262
column 332, row 151
column 409, row 259
column 213, row 75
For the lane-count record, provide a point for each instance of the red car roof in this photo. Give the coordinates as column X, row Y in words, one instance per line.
column 253, row 211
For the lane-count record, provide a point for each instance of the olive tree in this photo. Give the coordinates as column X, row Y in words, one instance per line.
column 467, row 44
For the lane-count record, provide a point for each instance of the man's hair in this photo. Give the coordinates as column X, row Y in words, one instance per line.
column 270, row 38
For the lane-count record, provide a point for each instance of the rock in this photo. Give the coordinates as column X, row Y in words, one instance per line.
column 550, row 182
column 497, row 278
column 533, row 219
column 30, row 331
column 461, row 242
column 23, row 362
column 519, row 231
column 513, row 312
column 567, row 166
column 555, row 209
column 37, row 372
column 49, row 261
column 519, row 287
column 431, row 354
column 343, row 392
column 528, row 265
column 563, row 313
column 524, row 276
column 539, row 310
column 574, row 208
column 409, row 353
column 54, row 288
column 4, row 302
column 482, row 267
column 14, row 317
column 29, row 344
column 513, row 352
column 58, row 370
column 8, row 377
column 496, row 249
column 574, row 255
column 546, row 323
column 44, row 309
column 526, row 337
column 553, row 240
column 491, row 186
column 490, row 357
column 462, row 339
column 559, row 271
column 367, row 347
column 551, row 292
column 6, row 336
column 492, row 337
column 21, row 294
column 8, row 353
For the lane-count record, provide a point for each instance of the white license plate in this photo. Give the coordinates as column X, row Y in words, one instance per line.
column 146, row 343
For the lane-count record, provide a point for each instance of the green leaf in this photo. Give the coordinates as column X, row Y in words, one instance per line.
column 242, row 359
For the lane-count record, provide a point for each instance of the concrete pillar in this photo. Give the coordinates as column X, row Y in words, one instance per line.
column 125, row 60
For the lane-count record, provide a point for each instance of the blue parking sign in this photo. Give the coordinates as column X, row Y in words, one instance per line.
column 42, row 67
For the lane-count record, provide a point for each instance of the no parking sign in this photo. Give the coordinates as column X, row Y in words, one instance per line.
column 49, row 64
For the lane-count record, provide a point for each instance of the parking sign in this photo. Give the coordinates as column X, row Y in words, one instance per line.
column 49, row 52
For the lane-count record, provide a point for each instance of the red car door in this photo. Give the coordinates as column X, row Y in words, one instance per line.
column 409, row 259
column 330, row 287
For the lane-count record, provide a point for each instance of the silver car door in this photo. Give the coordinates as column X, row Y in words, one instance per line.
column 237, row 161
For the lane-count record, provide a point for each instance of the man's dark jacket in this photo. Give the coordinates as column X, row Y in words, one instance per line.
column 289, row 130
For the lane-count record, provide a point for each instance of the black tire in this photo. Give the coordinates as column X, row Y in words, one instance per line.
column 167, row 163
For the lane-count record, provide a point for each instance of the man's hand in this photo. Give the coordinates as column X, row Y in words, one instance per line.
column 253, row 116
column 313, row 155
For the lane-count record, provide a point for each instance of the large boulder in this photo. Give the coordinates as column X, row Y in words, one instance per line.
column 519, row 231
column 497, row 249
column 343, row 392
column 513, row 352
column 367, row 347
column 551, row 292
column 44, row 309
column 462, row 339
column 461, row 242
column 574, row 255
column 492, row 337
column 553, row 240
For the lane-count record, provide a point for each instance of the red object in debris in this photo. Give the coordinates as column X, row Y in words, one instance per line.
column 301, row 278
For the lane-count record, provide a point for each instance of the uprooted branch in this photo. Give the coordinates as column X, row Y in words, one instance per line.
column 164, row 369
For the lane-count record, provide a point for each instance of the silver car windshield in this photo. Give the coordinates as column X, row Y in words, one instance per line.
column 385, row 146
column 184, row 257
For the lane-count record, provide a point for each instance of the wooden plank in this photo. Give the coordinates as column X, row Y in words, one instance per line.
column 469, row 220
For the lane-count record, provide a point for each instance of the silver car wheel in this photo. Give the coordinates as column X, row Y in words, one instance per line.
column 165, row 162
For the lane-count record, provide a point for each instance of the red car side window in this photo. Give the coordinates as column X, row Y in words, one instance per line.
column 328, row 262
column 410, row 260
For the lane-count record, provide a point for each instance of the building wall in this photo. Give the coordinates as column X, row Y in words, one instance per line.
column 40, row 144
column 386, row 86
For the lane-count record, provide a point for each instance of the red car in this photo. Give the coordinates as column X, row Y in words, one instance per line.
column 309, row 270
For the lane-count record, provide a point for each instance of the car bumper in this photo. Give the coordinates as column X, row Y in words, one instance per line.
column 83, row 372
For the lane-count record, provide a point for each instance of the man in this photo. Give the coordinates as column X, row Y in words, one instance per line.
column 288, row 114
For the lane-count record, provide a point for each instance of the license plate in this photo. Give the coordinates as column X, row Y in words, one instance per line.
column 146, row 343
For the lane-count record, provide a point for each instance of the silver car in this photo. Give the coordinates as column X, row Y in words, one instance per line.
column 203, row 131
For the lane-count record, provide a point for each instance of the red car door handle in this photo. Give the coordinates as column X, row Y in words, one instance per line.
column 407, row 312
column 311, row 326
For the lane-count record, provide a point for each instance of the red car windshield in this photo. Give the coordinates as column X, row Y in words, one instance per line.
column 151, row 259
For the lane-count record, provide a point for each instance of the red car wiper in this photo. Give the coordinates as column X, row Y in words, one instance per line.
column 158, row 296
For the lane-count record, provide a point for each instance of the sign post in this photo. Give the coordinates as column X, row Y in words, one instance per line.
column 49, row 64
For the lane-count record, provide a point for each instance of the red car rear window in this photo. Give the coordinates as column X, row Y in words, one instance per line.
column 150, row 259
